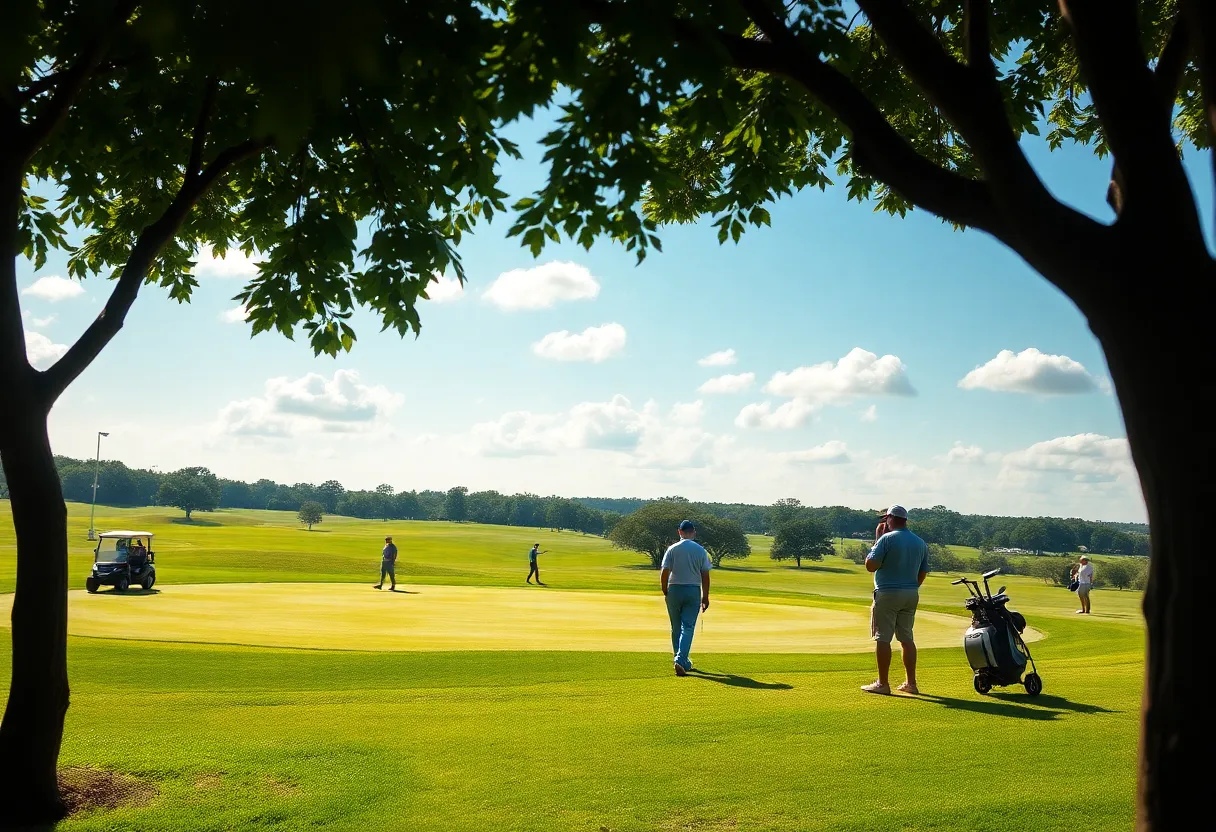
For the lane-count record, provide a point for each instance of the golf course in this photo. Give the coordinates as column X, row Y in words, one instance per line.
column 263, row 683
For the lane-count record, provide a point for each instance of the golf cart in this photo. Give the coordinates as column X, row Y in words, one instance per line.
column 122, row 558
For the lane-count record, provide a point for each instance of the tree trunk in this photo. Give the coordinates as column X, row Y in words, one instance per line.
column 32, row 729
column 1160, row 344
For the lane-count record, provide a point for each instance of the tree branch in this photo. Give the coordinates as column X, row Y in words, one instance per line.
column 147, row 246
column 1136, row 117
column 69, row 84
column 1202, row 17
column 976, row 17
column 194, row 165
column 1168, row 76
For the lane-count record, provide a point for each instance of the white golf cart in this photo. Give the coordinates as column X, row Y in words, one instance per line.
column 123, row 558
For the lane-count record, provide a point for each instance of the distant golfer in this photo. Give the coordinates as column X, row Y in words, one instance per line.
column 1084, row 576
column 685, row 582
column 388, row 563
column 900, row 562
column 533, row 567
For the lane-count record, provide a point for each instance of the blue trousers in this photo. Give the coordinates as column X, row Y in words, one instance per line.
column 683, row 607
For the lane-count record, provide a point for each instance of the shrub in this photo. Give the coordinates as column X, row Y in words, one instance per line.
column 941, row 559
column 855, row 551
column 1055, row 571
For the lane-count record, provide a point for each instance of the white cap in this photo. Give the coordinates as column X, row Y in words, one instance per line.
column 897, row 511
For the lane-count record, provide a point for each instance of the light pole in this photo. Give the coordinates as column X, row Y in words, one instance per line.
column 96, row 466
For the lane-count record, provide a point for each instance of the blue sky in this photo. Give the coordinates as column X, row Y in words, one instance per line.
column 886, row 316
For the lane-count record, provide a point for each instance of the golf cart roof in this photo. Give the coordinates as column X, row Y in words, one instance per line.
column 123, row 533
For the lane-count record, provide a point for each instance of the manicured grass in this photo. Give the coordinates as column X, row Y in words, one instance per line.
column 266, row 738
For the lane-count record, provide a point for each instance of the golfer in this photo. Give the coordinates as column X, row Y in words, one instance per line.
column 900, row 562
column 1084, row 576
column 685, row 582
column 533, row 568
column 388, row 563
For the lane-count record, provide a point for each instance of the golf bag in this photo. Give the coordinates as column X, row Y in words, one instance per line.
column 993, row 643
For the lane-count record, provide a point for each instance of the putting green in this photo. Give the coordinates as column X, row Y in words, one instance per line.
column 357, row 617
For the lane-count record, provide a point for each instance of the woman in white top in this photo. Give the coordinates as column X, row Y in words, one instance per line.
column 1084, row 576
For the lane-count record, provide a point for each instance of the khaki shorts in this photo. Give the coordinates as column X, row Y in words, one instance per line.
column 893, row 615
column 1083, row 590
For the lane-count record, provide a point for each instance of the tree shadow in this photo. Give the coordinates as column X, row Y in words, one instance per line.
column 182, row 521
column 736, row 681
column 815, row 567
column 645, row 567
column 725, row 568
column 315, row 531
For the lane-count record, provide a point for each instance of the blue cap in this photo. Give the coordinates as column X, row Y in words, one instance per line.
column 687, row 526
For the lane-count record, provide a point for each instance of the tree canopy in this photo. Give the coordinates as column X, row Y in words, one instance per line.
column 802, row 539
column 191, row 490
column 311, row 513
column 723, row 539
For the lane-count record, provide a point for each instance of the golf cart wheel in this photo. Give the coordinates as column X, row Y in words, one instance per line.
column 122, row 585
column 147, row 582
column 1033, row 683
column 982, row 685
column 91, row 584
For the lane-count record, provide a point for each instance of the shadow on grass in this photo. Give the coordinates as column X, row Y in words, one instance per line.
column 738, row 681
column 111, row 592
column 314, row 531
column 644, row 567
column 725, row 568
column 814, row 567
column 1040, row 708
column 182, row 521
column 1049, row 701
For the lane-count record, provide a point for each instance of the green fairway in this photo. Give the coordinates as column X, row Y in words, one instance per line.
column 476, row 702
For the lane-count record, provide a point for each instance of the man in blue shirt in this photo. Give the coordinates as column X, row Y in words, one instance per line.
column 685, row 582
column 900, row 562
column 533, row 566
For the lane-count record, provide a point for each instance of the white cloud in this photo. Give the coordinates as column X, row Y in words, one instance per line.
column 235, row 315
column 310, row 404
column 41, row 351
column 1087, row 457
column 644, row 437
column 543, row 286
column 688, row 413
column 792, row 414
column 962, row 454
column 595, row 343
column 870, row 414
column 54, row 288
column 234, row 264
column 728, row 383
column 834, row 452
column 1031, row 371
column 860, row 373
column 723, row 358
column 38, row 322
column 444, row 289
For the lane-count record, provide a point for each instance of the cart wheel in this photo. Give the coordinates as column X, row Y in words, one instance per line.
column 122, row 585
column 90, row 584
column 1033, row 683
column 148, row 581
column 982, row 685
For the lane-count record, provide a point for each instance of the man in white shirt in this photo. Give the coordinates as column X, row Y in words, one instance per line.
column 1085, row 582
column 685, row 583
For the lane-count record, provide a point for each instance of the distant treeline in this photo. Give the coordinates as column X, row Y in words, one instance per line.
column 936, row 525
column 119, row 485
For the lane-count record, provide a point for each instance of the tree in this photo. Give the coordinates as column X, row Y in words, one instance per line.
column 676, row 110
column 365, row 110
column 941, row 559
column 1118, row 573
column 650, row 529
column 799, row 539
column 191, row 490
column 723, row 539
column 329, row 493
column 311, row 513
column 783, row 511
column 454, row 505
